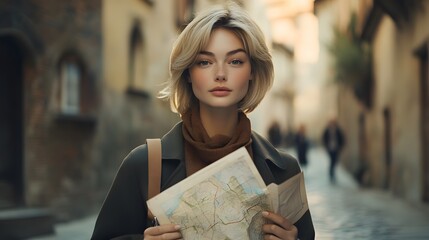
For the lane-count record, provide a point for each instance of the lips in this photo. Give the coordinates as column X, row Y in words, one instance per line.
column 220, row 91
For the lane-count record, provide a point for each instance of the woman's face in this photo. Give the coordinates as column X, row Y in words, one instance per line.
column 222, row 71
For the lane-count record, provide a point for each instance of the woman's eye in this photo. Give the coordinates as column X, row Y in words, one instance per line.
column 203, row 63
column 236, row 62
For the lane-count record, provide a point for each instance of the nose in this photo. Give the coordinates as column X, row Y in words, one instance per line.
column 220, row 78
column 220, row 74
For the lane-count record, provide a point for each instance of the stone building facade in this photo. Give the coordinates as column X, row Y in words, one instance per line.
column 72, row 106
column 387, row 137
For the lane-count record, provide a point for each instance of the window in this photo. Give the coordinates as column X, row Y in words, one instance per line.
column 70, row 87
column 75, row 90
column 138, row 63
column 137, row 60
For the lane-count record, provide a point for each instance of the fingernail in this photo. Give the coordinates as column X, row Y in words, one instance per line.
column 177, row 227
column 265, row 213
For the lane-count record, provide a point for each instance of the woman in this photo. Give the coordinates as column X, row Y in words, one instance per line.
column 220, row 69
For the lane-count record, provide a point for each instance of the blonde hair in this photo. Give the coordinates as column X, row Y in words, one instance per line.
column 195, row 38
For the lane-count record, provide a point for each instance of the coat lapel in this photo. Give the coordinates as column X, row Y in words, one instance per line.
column 173, row 157
column 260, row 159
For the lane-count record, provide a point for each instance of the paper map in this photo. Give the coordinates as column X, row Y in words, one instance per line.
column 225, row 200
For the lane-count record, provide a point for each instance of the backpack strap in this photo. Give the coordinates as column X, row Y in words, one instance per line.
column 154, row 169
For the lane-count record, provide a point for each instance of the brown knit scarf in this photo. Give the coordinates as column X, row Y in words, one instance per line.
column 201, row 150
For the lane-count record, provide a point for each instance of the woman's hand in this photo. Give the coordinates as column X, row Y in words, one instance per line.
column 279, row 227
column 167, row 231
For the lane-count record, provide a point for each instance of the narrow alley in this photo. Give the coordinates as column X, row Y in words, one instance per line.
column 340, row 211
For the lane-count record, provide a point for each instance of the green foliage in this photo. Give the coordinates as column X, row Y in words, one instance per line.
column 352, row 62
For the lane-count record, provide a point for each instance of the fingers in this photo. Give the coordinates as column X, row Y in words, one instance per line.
column 277, row 219
column 167, row 231
column 281, row 228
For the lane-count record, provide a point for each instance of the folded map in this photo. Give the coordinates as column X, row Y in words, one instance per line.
column 225, row 200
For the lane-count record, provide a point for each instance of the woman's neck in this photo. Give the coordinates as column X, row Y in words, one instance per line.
column 219, row 121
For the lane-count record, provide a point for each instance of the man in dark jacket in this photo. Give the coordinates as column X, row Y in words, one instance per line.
column 333, row 140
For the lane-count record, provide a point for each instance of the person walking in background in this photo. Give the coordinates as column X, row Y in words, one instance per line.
column 333, row 141
column 220, row 70
column 301, row 145
column 274, row 134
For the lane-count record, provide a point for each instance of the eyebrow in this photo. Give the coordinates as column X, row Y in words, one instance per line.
column 227, row 54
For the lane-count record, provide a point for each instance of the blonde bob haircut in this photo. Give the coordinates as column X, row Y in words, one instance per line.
column 195, row 37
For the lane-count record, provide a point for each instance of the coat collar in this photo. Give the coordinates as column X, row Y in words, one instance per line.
column 172, row 144
column 173, row 155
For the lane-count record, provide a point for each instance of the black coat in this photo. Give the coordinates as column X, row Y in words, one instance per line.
column 124, row 210
column 339, row 138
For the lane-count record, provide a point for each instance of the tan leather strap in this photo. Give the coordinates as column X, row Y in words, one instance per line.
column 154, row 168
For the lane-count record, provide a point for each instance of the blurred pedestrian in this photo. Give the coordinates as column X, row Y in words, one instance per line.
column 220, row 69
column 301, row 145
column 274, row 134
column 333, row 140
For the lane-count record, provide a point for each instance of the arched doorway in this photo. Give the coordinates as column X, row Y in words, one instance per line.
column 11, row 122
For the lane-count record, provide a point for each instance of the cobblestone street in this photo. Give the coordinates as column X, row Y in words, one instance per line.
column 346, row 211
column 340, row 211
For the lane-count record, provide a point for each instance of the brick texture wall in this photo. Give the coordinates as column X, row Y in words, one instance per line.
column 69, row 161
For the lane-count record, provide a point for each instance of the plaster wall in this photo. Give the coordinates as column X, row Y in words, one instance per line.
column 398, row 89
column 157, row 26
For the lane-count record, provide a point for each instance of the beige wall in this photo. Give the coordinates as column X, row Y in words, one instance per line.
column 396, row 88
column 131, row 118
column 157, row 25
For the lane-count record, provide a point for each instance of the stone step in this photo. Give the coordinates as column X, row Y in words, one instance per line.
column 22, row 223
